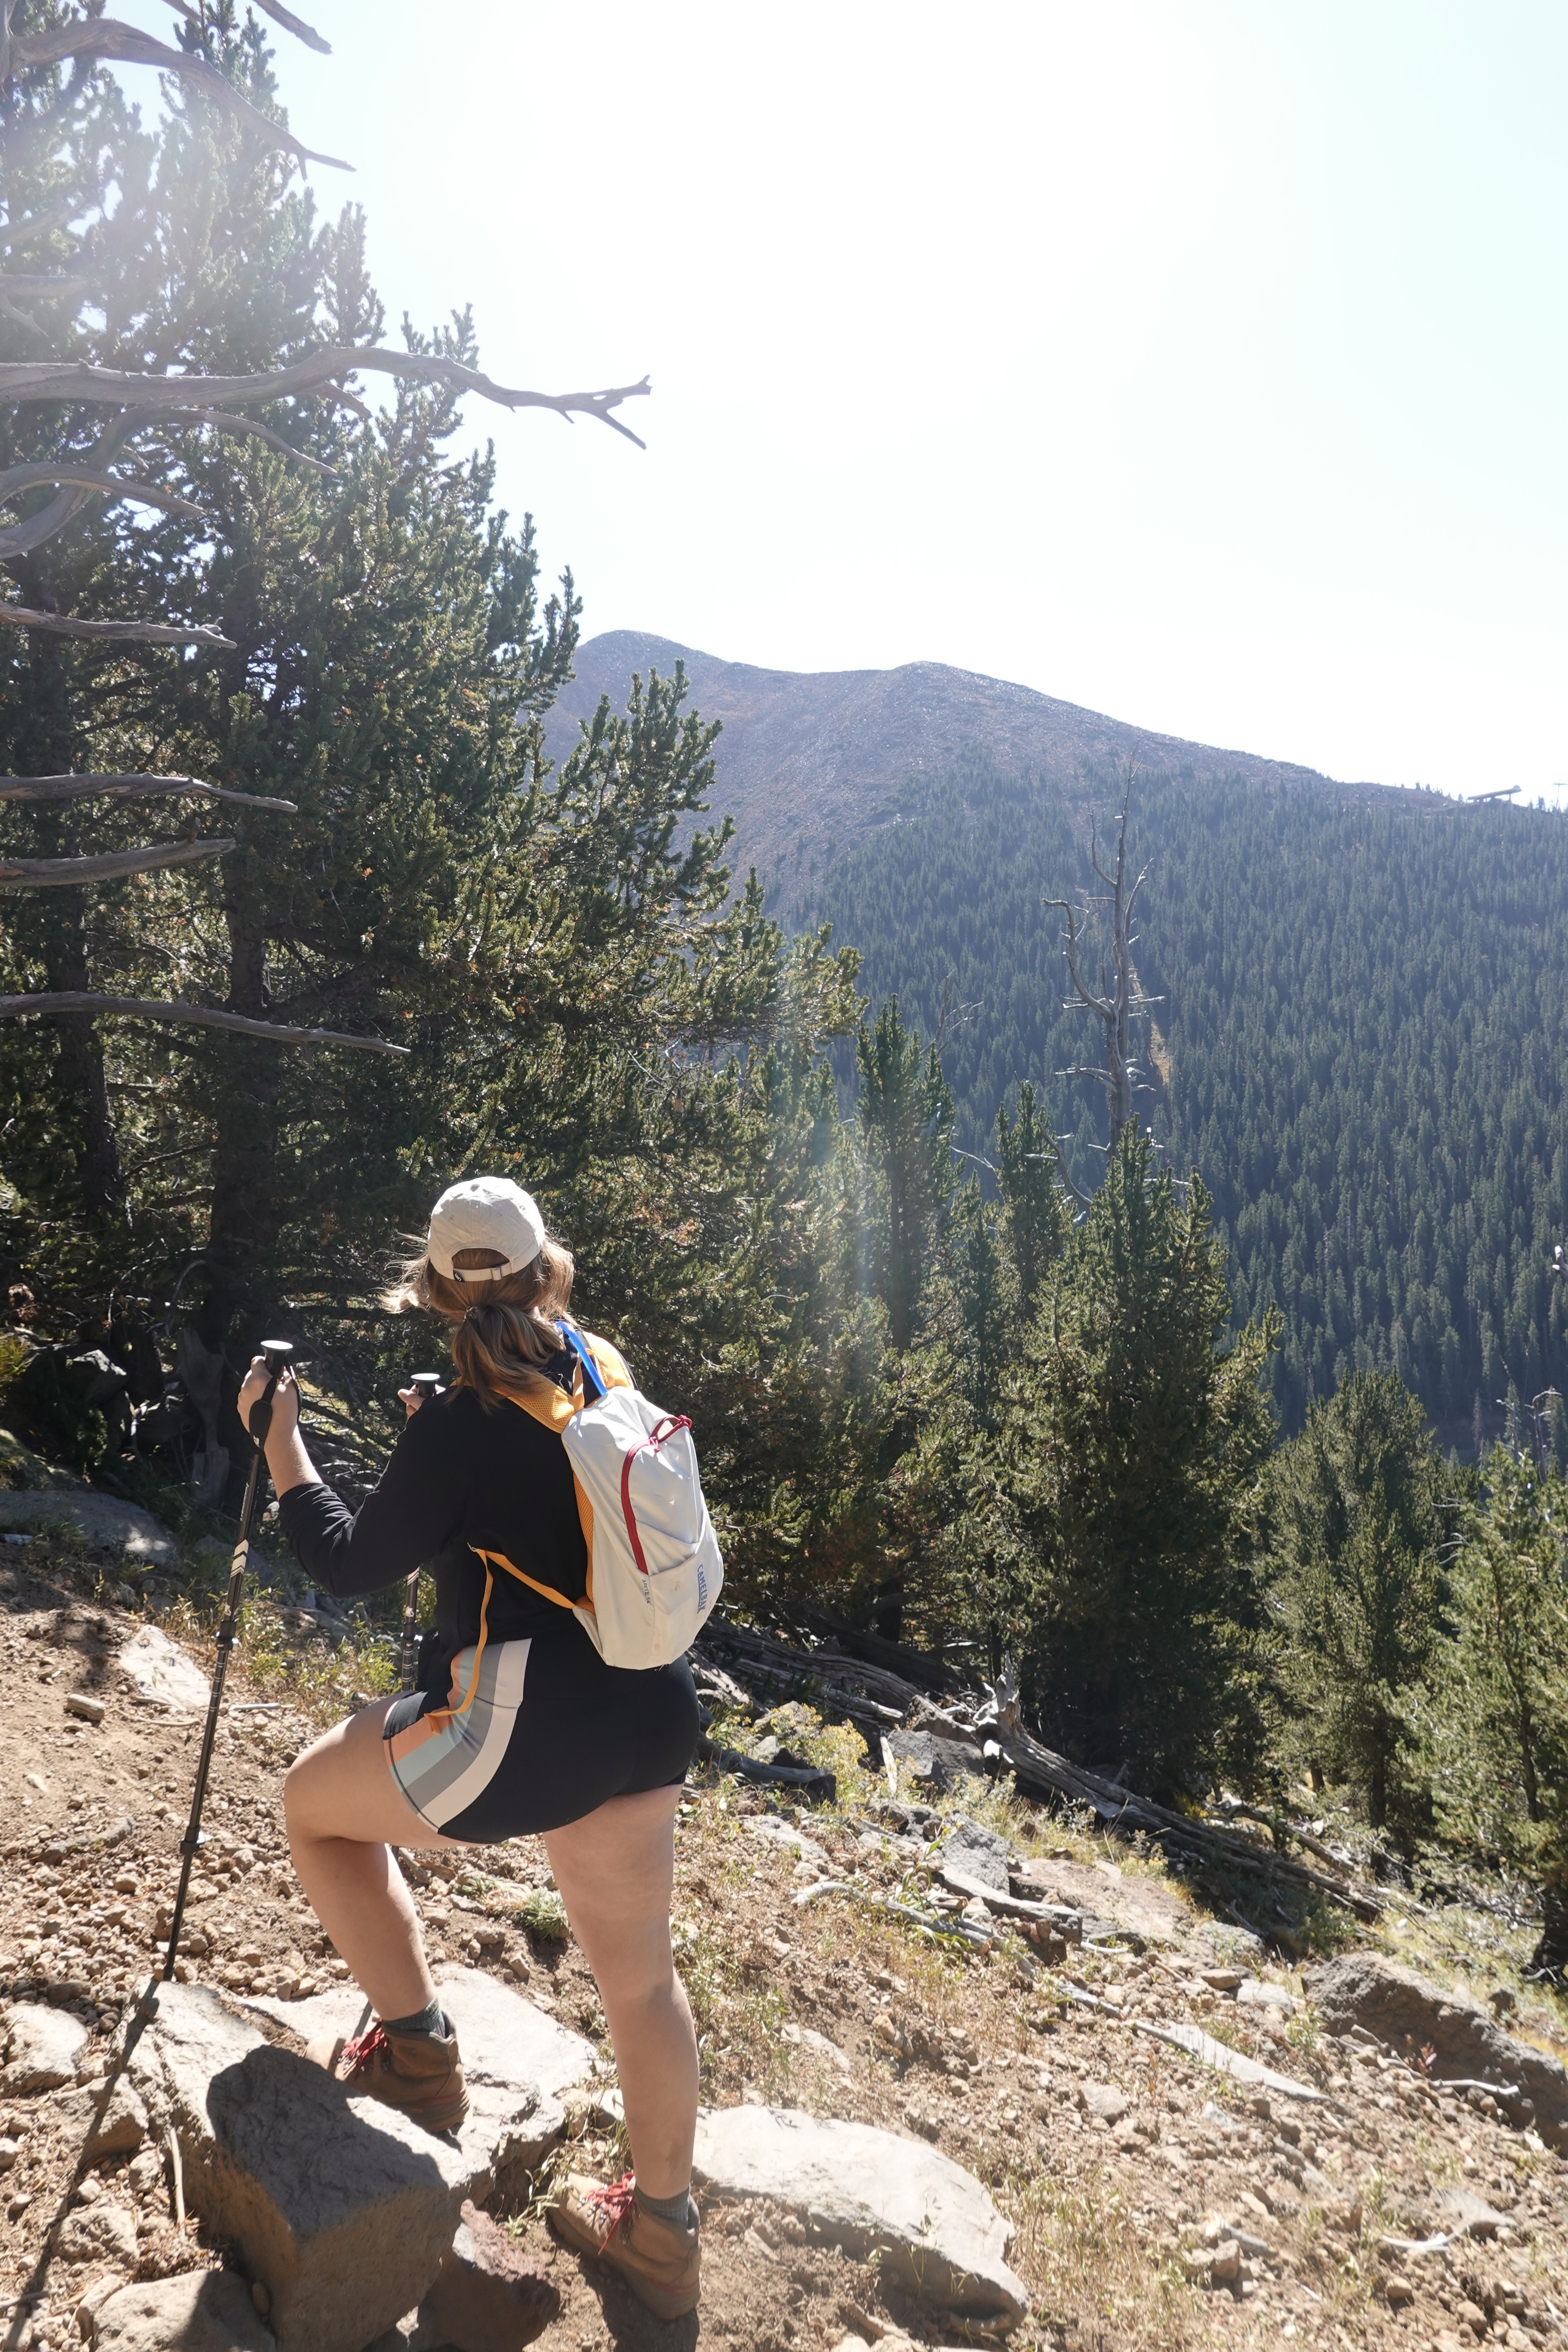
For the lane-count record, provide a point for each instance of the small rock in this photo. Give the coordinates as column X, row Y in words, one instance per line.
column 103, row 2231
column 10, row 2150
column 773, row 1831
column 92, row 1710
column 1397, row 2291
column 1462, row 2209
column 46, row 2048
column 202, row 2311
column 930, row 1757
column 1101, row 2100
column 1225, row 1979
column 1255, row 1993
column 488, row 2298
column 122, row 2126
column 1226, row 2262
column 978, row 1851
column 158, row 1669
column 804, row 2037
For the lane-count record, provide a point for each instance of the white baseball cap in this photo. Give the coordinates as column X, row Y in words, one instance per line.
column 488, row 1212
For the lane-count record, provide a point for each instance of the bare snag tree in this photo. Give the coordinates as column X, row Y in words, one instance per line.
column 1119, row 1000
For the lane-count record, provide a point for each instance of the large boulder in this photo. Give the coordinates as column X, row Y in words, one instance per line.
column 103, row 1519
column 343, row 2207
column 1407, row 2013
column 930, row 2223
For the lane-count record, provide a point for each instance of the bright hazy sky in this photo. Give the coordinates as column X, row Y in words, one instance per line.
column 1204, row 363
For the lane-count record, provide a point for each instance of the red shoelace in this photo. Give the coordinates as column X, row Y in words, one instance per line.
column 365, row 2046
column 616, row 2200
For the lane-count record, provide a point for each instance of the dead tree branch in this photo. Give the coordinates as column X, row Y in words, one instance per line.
column 279, row 15
column 60, row 873
column 203, row 1016
column 25, row 380
column 223, row 422
column 128, row 633
column 13, row 234
column 105, row 37
column 1119, row 1000
column 14, row 281
column 132, row 787
column 23, row 537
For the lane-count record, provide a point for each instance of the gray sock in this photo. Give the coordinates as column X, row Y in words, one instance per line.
column 428, row 2019
column 679, row 2211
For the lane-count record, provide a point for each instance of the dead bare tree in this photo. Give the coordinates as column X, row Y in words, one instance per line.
column 1118, row 1000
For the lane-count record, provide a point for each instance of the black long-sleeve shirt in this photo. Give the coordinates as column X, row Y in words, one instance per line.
column 459, row 1477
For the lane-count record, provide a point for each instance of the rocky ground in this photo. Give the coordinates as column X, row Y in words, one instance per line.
column 1335, row 2196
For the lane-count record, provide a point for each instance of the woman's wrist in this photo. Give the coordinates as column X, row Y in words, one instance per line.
column 287, row 1463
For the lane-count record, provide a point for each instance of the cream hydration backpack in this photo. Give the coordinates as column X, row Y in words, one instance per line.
column 654, row 1564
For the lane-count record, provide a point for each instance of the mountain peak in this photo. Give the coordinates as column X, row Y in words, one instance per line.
column 811, row 760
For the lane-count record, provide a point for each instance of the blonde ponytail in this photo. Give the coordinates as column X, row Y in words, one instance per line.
column 501, row 1337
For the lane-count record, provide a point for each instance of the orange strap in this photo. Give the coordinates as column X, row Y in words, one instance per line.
column 499, row 1559
column 553, row 1409
column 450, row 1714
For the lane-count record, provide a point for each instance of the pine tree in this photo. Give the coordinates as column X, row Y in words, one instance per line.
column 1360, row 1508
column 1498, row 1720
column 1131, row 1457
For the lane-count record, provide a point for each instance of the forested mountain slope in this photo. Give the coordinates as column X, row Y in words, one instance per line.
column 812, row 761
column 1361, row 1044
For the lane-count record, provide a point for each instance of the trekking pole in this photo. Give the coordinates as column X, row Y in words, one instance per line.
column 428, row 1385
column 276, row 1353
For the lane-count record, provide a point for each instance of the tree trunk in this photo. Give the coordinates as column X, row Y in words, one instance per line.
column 1527, row 1761
column 1377, row 1793
column 245, row 1218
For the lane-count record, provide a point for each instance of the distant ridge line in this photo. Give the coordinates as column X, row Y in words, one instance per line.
column 809, row 760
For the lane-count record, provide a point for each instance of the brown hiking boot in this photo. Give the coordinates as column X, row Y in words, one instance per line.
column 662, row 2264
column 420, row 2072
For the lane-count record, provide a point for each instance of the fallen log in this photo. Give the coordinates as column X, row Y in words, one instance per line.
column 1039, row 1769
column 817, row 1787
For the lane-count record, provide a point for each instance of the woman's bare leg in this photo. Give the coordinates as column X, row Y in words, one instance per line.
column 345, row 1813
column 616, row 1870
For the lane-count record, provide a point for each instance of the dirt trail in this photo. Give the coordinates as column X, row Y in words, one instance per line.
column 1123, row 2162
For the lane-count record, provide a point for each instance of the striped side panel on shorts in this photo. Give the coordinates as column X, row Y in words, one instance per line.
column 445, row 1761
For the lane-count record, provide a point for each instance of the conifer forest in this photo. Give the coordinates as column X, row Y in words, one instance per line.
column 1235, row 1425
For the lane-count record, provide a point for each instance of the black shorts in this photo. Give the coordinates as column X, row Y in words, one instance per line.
column 545, row 1733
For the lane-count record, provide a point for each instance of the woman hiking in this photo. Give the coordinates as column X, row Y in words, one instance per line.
column 518, row 1729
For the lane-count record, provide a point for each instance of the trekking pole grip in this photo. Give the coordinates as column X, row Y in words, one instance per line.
column 276, row 1353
